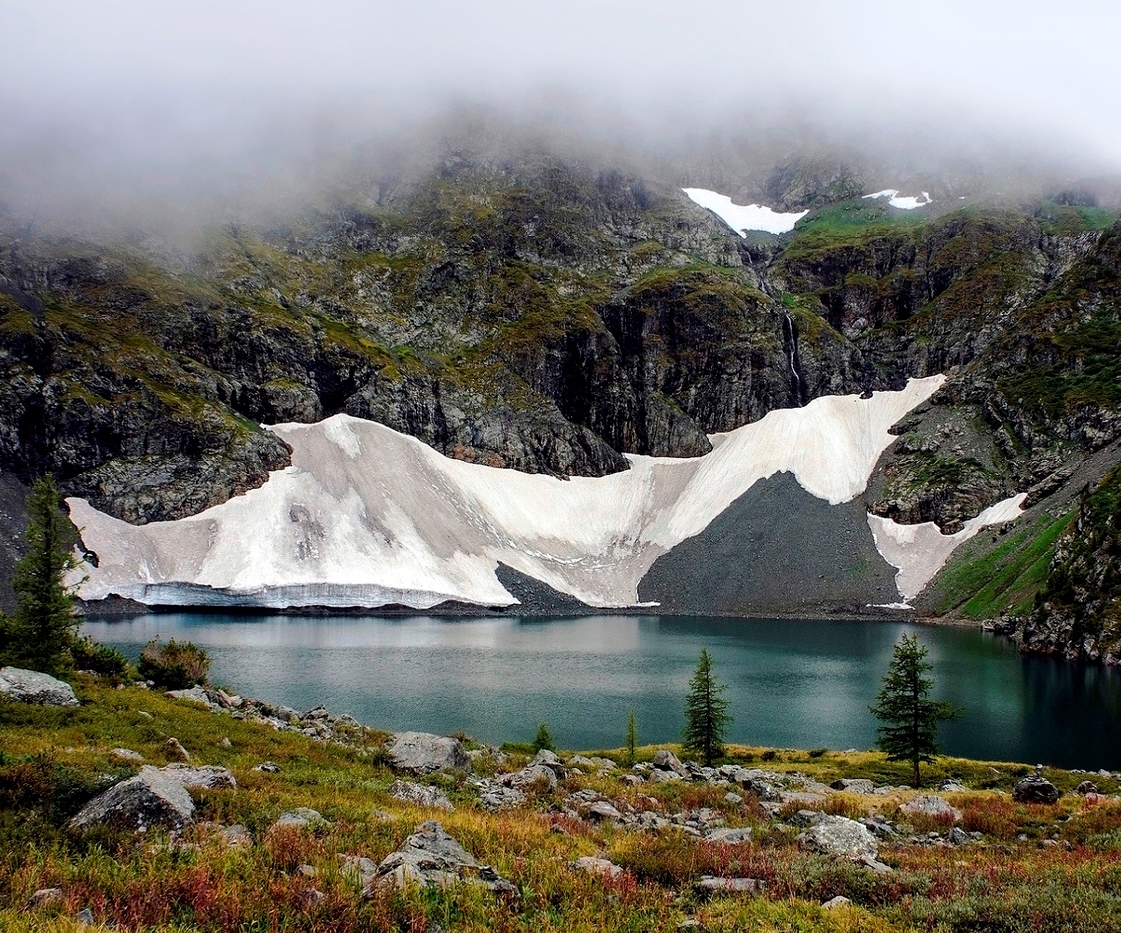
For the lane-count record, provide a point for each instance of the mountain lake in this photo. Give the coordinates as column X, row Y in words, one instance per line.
column 790, row 683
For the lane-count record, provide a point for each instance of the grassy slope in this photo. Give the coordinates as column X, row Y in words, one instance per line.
column 56, row 759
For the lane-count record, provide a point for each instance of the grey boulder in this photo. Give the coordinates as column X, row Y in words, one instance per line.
column 840, row 837
column 933, row 806
column 423, row 753
column 207, row 777
column 430, row 857
column 422, row 795
column 149, row 800
column 34, row 687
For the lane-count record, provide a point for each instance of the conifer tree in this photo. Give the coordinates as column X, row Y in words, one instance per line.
column 910, row 717
column 706, row 713
column 543, row 740
column 45, row 622
column 632, row 736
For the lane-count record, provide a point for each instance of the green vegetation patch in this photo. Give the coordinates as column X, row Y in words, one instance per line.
column 983, row 581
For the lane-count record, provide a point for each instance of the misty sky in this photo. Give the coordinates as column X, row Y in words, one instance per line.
column 90, row 80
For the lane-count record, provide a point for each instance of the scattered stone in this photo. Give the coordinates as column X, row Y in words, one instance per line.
column 150, row 799
column 431, row 857
column 237, row 836
column 839, row 901
column 44, row 897
column 127, row 754
column 175, row 750
column 359, row 868
column 1035, row 789
column 33, row 687
column 733, row 798
column 710, row 885
column 85, row 915
column 144, row 714
column 631, row 780
column 840, row 837
column 309, row 898
column 854, row 785
column 665, row 760
column 208, row 777
column 225, row 742
column 547, row 759
column 495, row 796
column 422, row 753
column 728, row 836
column 931, row 805
column 268, row 767
column 531, row 775
column 422, row 795
column 1086, row 787
column 306, row 870
column 301, row 818
column 958, row 836
column 952, row 787
column 597, row 866
column 195, row 694
column 691, row 925
column 601, row 811
column 874, row 864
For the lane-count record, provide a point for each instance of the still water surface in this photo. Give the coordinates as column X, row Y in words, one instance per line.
column 791, row 683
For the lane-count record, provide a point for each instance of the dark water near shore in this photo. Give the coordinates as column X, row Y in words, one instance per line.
column 791, row 683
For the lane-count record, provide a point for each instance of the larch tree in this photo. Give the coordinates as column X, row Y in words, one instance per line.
column 706, row 713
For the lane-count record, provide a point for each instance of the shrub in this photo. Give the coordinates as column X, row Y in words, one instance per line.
column 101, row 659
column 175, row 666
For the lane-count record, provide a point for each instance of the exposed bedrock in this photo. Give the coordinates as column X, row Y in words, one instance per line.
column 775, row 549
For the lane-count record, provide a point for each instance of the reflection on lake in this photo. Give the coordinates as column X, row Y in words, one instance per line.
column 791, row 683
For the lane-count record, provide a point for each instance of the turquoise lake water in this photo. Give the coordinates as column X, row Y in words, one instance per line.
column 790, row 683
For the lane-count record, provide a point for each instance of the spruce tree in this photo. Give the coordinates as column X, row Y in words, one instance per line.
column 632, row 736
column 45, row 622
column 543, row 740
column 910, row 717
column 706, row 713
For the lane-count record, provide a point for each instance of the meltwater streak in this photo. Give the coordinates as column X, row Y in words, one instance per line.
column 791, row 683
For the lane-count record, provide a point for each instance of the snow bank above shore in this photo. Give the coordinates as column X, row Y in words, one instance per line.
column 366, row 516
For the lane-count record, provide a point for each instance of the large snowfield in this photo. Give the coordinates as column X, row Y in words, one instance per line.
column 369, row 517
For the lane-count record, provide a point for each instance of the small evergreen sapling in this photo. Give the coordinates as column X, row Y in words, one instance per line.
column 632, row 736
column 706, row 713
column 910, row 718
column 543, row 740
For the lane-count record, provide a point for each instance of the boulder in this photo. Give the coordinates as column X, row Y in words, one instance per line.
column 1086, row 787
column 665, row 760
column 531, row 775
column 603, row 812
column 268, row 767
column 175, row 750
column 854, row 785
column 150, row 799
column 1035, row 789
column 196, row 694
column 422, row 795
column 727, row 836
column 597, row 866
column 657, row 776
column 208, row 777
column 495, row 796
column 431, row 857
column 834, row 902
column 710, row 885
column 33, row 687
column 301, row 818
column 840, row 837
column 423, row 753
column 933, row 806
column 127, row 754
column 44, row 897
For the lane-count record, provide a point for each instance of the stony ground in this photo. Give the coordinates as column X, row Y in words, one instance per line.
column 206, row 811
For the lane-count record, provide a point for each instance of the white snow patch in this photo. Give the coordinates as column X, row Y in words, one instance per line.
column 919, row 551
column 743, row 217
column 903, row 202
column 366, row 516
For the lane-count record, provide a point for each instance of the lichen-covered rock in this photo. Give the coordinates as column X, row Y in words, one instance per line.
column 423, row 753
column 207, row 777
column 597, row 866
column 301, row 818
column 931, row 805
column 840, row 837
column 151, row 799
column 25, row 686
column 431, row 857
column 423, row 795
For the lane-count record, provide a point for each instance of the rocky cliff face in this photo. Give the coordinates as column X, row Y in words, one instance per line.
column 550, row 316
